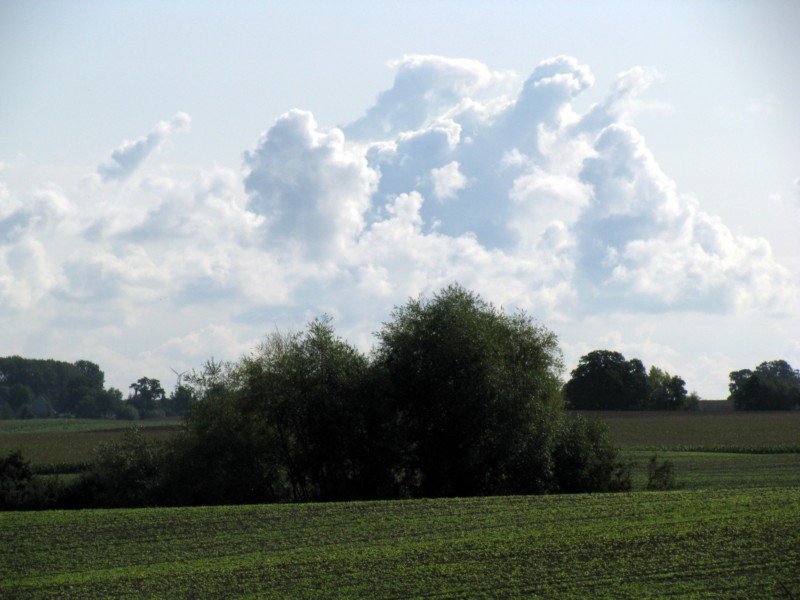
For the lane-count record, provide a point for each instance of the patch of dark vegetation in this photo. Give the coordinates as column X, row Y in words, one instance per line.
column 457, row 399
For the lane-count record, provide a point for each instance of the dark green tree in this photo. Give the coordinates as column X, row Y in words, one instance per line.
column 666, row 392
column 604, row 380
column 67, row 388
column 773, row 385
column 476, row 392
column 310, row 391
column 20, row 395
column 179, row 401
column 148, row 397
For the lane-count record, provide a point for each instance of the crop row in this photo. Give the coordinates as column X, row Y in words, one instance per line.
column 695, row 470
column 722, row 542
column 728, row 432
column 48, row 449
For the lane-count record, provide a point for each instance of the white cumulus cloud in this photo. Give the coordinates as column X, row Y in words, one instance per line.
column 126, row 158
column 452, row 175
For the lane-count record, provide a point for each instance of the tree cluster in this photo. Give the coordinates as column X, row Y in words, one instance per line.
column 457, row 399
column 34, row 388
column 772, row 385
column 605, row 380
column 148, row 400
column 41, row 388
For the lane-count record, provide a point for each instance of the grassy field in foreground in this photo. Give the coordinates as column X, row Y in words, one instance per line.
column 65, row 445
column 746, row 432
column 714, row 543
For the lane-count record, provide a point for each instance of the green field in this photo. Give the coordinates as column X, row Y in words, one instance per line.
column 65, row 445
column 733, row 544
column 696, row 470
column 710, row 449
column 746, row 432
column 69, row 425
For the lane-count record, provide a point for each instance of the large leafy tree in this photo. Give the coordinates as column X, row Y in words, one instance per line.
column 605, row 380
column 476, row 392
column 666, row 392
column 69, row 388
column 148, row 397
column 773, row 385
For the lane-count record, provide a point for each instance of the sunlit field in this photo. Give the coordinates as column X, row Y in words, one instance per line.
column 721, row 543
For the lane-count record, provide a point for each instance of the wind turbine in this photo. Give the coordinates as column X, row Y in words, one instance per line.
column 179, row 375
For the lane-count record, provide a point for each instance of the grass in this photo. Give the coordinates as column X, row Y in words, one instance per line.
column 63, row 446
column 745, row 432
column 712, row 543
column 69, row 425
column 696, row 470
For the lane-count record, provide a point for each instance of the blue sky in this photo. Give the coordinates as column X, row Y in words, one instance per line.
column 178, row 179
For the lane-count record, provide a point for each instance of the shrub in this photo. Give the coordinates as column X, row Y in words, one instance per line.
column 585, row 460
column 660, row 476
column 122, row 473
column 20, row 489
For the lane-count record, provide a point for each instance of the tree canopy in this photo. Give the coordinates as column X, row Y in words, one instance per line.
column 773, row 385
column 42, row 388
column 605, row 380
column 457, row 398
column 476, row 391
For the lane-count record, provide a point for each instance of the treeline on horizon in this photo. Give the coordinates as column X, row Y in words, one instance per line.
column 33, row 388
column 602, row 380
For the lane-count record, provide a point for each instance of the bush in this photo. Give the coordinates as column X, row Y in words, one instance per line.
column 122, row 473
column 660, row 476
column 20, row 489
column 126, row 412
column 586, row 460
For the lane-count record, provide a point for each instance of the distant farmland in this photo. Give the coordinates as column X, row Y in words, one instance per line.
column 65, row 445
column 704, row 431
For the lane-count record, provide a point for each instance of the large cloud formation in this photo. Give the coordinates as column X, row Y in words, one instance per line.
column 453, row 174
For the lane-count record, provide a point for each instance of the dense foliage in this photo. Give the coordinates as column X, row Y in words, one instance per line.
column 31, row 388
column 36, row 388
column 773, row 385
column 476, row 393
column 458, row 398
column 605, row 380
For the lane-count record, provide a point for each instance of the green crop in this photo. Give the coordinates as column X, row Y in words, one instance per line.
column 67, row 449
column 65, row 425
column 714, row 543
column 695, row 470
column 747, row 432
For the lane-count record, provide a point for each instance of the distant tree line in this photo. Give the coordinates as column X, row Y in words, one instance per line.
column 772, row 385
column 34, row 388
column 605, row 380
column 42, row 388
column 457, row 399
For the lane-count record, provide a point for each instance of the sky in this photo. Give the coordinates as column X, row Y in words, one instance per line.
column 179, row 179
